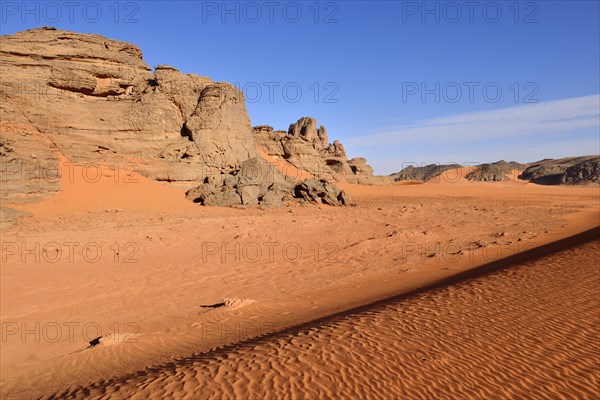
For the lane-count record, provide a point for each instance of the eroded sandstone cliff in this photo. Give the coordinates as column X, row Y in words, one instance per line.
column 94, row 100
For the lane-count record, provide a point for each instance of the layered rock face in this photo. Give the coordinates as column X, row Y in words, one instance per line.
column 94, row 100
column 28, row 163
column 87, row 95
column 306, row 147
column 571, row 170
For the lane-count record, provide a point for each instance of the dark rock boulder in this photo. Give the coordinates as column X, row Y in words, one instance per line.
column 321, row 191
column 255, row 182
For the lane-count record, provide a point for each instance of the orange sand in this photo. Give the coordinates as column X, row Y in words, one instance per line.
column 481, row 338
column 134, row 261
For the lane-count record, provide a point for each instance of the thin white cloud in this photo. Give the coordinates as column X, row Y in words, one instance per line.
column 562, row 147
column 551, row 117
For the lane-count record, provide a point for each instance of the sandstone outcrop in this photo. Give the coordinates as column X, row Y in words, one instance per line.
column 88, row 96
column 28, row 164
column 94, row 100
column 307, row 147
column 257, row 182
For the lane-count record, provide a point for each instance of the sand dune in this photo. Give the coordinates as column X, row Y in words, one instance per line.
column 529, row 331
column 164, row 259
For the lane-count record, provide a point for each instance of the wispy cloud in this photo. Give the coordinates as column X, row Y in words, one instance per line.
column 551, row 117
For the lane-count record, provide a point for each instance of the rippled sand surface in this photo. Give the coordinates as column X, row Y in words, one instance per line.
column 527, row 332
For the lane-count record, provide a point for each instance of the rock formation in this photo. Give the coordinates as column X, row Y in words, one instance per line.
column 88, row 95
column 256, row 182
column 321, row 191
column 94, row 100
column 494, row 172
column 425, row 173
column 268, row 140
column 306, row 146
column 583, row 172
column 28, row 164
column 570, row 170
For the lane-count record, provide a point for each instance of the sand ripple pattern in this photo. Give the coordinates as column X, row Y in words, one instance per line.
column 527, row 332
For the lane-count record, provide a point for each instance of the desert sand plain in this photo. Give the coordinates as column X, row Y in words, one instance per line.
column 160, row 297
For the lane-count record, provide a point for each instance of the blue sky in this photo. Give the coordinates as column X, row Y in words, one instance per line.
column 395, row 81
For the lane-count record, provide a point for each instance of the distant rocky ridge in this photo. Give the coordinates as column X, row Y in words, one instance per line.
column 412, row 173
column 94, row 100
column 570, row 170
column 494, row 172
column 307, row 148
